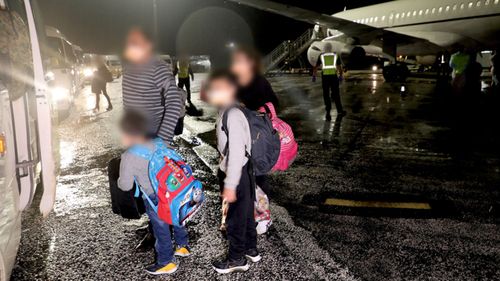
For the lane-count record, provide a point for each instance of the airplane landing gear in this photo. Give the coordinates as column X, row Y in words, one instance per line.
column 396, row 72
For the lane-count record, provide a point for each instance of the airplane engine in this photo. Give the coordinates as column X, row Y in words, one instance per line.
column 318, row 47
column 426, row 60
column 357, row 57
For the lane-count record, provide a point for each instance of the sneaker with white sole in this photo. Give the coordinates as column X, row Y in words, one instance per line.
column 253, row 255
column 229, row 266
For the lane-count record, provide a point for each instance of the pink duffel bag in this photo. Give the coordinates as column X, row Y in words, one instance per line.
column 289, row 147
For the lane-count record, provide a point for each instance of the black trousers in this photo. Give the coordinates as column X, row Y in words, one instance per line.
column 98, row 96
column 186, row 82
column 240, row 219
column 331, row 90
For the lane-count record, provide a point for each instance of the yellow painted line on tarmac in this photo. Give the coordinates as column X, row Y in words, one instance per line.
column 377, row 204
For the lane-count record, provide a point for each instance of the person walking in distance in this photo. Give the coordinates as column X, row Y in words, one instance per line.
column 331, row 65
column 99, row 80
column 184, row 72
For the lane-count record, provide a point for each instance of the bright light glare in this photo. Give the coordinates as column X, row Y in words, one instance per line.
column 374, row 68
column 87, row 72
column 403, row 88
column 231, row 45
column 50, row 76
column 59, row 94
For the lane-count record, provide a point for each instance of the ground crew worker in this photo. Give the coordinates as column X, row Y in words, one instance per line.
column 331, row 70
column 459, row 62
column 183, row 71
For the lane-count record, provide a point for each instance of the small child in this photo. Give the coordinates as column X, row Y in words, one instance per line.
column 236, row 182
column 135, row 133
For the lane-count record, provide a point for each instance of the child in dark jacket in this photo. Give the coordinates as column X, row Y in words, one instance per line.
column 237, row 184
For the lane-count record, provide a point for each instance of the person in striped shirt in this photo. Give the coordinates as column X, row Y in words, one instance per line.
column 149, row 86
column 149, row 89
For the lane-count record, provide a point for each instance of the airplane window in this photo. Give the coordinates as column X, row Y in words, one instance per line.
column 440, row 9
column 383, row 18
column 414, row 13
column 496, row 2
column 371, row 20
column 455, row 7
column 426, row 11
column 462, row 6
column 447, row 8
column 433, row 10
column 420, row 12
column 376, row 19
column 478, row 4
column 397, row 16
column 403, row 15
column 470, row 5
column 487, row 2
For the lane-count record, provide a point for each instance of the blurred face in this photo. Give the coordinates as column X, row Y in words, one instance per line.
column 243, row 67
column 129, row 140
column 221, row 92
column 138, row 48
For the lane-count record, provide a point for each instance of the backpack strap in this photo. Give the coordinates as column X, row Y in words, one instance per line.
column 224, row 128
column 138, row 190
column 141, row 151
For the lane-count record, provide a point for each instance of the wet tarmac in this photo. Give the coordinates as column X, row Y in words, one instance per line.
column 422, row 146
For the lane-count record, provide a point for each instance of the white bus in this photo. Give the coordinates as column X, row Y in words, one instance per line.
column 26, row 140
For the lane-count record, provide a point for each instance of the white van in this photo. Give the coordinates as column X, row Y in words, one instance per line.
column 62, row 70
column 26, row 142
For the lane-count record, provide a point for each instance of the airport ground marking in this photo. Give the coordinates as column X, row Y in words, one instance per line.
column 377, row 204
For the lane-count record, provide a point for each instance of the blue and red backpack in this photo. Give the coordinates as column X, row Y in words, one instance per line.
column 179, row 194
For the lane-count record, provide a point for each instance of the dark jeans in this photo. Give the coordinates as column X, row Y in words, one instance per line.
column 240, row 219
column 331, row 90
column 161, row 230
column 186, row 82
column 98, row 95
column 263, row 183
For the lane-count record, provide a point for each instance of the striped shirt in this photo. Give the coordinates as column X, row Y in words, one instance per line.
column 142, row 88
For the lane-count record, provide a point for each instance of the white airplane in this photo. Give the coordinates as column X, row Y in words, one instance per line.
column 400, row 28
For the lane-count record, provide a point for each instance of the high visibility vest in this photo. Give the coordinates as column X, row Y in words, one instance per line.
column 183, row 69
column 459, row 62
column 329, row 62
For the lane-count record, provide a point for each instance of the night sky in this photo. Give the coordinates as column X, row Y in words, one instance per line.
column 195, row 26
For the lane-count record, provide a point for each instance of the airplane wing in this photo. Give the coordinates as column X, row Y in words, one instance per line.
column 363, row 34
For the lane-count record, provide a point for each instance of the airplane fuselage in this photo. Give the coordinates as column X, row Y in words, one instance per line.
column 474, row 24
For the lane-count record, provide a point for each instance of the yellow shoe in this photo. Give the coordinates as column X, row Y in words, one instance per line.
column 182, row 252
column 156, row 269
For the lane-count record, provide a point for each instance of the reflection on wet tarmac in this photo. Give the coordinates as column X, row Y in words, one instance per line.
column 389, row 146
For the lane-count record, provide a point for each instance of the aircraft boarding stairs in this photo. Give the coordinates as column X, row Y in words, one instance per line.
column 289, row 50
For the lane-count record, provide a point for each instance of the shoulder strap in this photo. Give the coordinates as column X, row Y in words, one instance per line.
column 141, row 151
column 224, row 125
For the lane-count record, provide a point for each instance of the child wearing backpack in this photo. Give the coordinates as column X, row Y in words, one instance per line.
column 235, row 176
column 134, row 168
